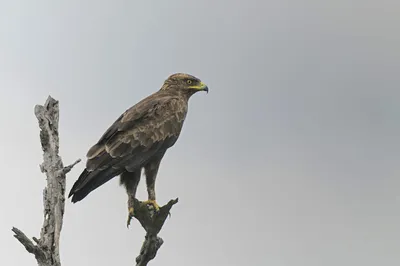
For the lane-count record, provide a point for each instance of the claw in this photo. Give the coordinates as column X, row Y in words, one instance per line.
column 152, row 202
column 130, row 216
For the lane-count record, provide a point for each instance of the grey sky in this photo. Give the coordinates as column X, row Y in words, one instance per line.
column 291, row 159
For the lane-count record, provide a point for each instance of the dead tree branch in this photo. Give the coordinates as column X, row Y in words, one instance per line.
column 152, row 221
column 46, row 249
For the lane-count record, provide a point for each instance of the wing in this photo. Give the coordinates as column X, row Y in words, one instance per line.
column 142, row 131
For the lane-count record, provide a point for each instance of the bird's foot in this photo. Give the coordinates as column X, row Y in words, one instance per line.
column 130, row 216
column 152, row 202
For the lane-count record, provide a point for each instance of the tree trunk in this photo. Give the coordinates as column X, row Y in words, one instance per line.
column 47, row 248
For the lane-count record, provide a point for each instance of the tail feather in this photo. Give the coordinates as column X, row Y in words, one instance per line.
column 89, row 181
column 77, row 183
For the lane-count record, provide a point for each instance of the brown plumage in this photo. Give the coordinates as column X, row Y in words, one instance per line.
column 139, row 139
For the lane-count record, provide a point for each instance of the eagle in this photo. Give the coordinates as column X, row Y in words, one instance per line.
column 138, row 140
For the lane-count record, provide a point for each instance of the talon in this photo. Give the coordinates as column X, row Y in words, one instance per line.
column 152, row 202
column 130, row 216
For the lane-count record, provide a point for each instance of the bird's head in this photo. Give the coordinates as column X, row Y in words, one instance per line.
column 184, row 83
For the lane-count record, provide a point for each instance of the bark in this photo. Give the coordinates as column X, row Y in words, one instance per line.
column 46, row 248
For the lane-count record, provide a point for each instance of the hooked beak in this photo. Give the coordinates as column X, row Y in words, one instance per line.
column 200, row 87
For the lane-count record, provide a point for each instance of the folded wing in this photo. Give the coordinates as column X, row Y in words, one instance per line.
column 143, row 131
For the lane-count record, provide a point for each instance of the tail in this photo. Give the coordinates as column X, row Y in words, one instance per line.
column 89, row 181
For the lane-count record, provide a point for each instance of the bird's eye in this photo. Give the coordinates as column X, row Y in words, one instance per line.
column 189, row 81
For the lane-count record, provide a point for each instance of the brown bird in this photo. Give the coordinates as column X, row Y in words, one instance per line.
column 138, row 140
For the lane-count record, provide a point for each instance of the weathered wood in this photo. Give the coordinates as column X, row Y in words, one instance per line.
column 152, row 221
column 46, row 249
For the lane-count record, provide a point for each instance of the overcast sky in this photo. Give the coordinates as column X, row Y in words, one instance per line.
column 291, row 159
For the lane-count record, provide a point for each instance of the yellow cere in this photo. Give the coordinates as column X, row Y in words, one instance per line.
column 199, row 87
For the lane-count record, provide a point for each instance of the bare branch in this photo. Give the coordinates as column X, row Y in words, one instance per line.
column 68, row 168
column 152, row 221
column 46, row 250
column 29, row 246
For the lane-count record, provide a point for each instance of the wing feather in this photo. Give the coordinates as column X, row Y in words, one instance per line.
column 149, row 127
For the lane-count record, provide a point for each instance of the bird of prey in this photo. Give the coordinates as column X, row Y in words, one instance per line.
column 138, row 140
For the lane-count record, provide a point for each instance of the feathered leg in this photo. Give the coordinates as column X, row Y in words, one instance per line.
column 130, row 180
column 151, row 170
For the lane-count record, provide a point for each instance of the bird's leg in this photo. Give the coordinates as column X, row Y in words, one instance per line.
column 151, row 194
column 130, row 210
column 151, row 170
column 130, row 181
